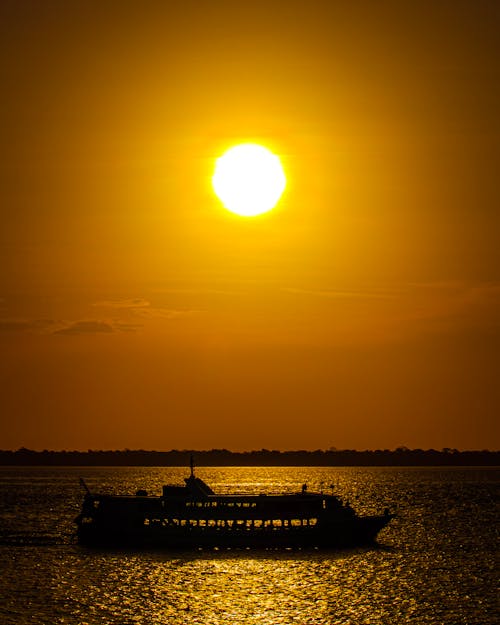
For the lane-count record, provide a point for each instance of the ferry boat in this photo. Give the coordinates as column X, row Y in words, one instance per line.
column 193, row 516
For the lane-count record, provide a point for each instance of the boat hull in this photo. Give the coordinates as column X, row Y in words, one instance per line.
column 357, row 532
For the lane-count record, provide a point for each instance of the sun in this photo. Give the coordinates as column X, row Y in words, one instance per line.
column 249, row 179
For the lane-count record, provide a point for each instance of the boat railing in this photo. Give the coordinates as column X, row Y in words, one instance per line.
column 230, row 491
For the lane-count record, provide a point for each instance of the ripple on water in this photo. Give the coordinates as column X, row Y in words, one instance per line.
column 438, row 564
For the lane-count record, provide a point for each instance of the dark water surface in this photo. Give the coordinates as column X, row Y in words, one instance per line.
column 436, row 562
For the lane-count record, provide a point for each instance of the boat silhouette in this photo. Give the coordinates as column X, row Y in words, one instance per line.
column 193, row 516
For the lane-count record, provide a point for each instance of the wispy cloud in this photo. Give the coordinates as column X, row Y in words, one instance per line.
column 28, row 325
column 126, row 327
column 142, row 308
column 124, row 316
column 458, row 300
column 451, row 290
column 390, row 310
column 199, row 291
column 123, row 304
column 86, row 327
column 340, row 294
column 58, row 326
column 164, row 313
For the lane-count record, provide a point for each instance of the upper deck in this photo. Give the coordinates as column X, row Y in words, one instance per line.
column 196, row 500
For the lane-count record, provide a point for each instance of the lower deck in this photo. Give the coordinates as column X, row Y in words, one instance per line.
column 176, row 534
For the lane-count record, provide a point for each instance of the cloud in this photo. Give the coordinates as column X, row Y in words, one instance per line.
column 199, row 291
column 122, row 304
column 337, row 294
column 8, row 325
column 142, row 308
column 453, row 293
column 164, row 313
column 126, row 327
column 27, row 325
column 460, row 301
column 408, row 309
column 86, row 327
column 53, row 326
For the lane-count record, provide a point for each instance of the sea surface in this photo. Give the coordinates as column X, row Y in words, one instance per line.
column 435, row 563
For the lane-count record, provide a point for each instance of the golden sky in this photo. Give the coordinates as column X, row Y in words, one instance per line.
column 362, row 312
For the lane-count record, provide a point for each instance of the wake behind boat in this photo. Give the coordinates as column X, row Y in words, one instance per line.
column 193, row 516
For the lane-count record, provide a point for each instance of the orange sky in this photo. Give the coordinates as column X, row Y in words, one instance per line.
column 363, row 312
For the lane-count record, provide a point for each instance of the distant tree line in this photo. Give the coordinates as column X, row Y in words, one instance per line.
column 401, row 456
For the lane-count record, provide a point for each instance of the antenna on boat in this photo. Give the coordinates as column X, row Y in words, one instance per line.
column 191, row 464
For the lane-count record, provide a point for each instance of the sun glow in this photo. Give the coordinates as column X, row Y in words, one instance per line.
column 249, row 179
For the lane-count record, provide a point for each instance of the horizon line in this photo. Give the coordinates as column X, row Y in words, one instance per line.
column 332, row 450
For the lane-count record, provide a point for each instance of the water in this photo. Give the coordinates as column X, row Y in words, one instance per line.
column 435, row 563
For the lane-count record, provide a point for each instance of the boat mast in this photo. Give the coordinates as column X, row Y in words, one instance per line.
column 191, row 464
